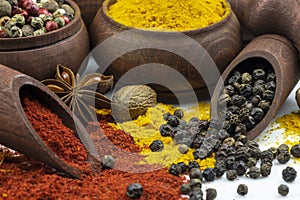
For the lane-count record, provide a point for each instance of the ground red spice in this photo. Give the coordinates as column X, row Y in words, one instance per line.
column 61, row 139
column 24, row 178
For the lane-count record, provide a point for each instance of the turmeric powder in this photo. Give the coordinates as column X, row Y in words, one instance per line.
column 168, row 15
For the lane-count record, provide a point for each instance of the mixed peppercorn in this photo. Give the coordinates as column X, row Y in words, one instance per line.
column 23, row 18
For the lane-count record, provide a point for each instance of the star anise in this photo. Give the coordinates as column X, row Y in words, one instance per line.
column 82, row 95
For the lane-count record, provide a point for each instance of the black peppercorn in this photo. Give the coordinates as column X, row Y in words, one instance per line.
column 240, row 168
column 166, row 130
column 242, row 189
column 134, row 191
column 257, row 114
column 253, row 172
column 283, row 190
column 246, row 78
column 195, row 183
column 209, row 174
column 295, row 150
column 231, row 175
column 196, row 173
column 211, row 194
column 282, row 148
column 271, row 76
column 193, row 164
column 283, row 157
column 270, row 85
column 265, row 169
column 249, row 122
column 185, row 188
column 255, row 100
column 219, row 170
column 234, row 79
column 268, row 95
column 224, row 100
column 174, row 170
column 264, row 104
column 107, row 162
column 173, row 120
column 156, row 145
column 259, row 74
column 229, row 89
column 289, row 174
column 179, row 113
column 182, row 166
column 238, row 100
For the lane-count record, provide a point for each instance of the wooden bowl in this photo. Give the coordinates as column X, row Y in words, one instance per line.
column 37, row 56
column 88, row 10
column 282, row 56
column 222, row 41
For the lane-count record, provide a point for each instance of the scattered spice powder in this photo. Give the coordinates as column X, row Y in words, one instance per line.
column 59, row 138
column 168, row 15
column 145, row 129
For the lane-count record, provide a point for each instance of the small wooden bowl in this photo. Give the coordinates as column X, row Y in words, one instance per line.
column 222, row 41
column 283, row 57
column 88, row 10
column 16, row 131
column 37, row 56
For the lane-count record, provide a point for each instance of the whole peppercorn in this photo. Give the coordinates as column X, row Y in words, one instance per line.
column 196, row 173
column 295, row 150
column 211, row 193
column 51, row 26
column 179, row 113
column 195, row 183
column 37, row 22
column 219, row 169
column 224, row 100
column 182, row 166
column 27, row 30
column 183, row 149
column 40, row 31
column 173, row 121
column 50, row 5
column 229, row 89
column 265, row 169
column 69, row 10
column 283, row 190
column 282, row 148
column 240, row 168
column 185, row 188
column 253, row 172
column 166, row 130
column 289, row 174
column 242, row 189
column 283, row 157
column 193, row 164
column 107, row 162
column 174, row 170
column 209, row 174
column 231, row 175
column 257, row 114
column 259, row 74
column 246, row 78
column 5, row 8
column 15, row 32
column 134, row 191
column 156, row 145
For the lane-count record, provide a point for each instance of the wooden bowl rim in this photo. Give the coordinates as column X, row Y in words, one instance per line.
column 47, row 38
column 107, row 3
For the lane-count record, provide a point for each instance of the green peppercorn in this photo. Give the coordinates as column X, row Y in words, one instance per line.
column 231, row 175
column 15, row 32
column 59, row 12
column 107, row 162
column 134, row 191
column 185, row 188
column 27, row 30
column 45, row 17
column 40, row 31
column 295, row 150
column 242, row 189
column 289, row 174
column 37, row 23
column 19, row 19
column 60, row 21
column 211, row 193
column 283, row 190
column 5, row 8
column 69, row 10
column 156, row 145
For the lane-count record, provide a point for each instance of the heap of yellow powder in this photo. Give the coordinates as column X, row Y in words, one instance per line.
column 145, row 129
column 168, row 15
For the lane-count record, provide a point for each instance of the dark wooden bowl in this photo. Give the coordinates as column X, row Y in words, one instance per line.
column 283, row 57
column 16, row 131
column 88, row 10
column 222, row 41
column 37, row 56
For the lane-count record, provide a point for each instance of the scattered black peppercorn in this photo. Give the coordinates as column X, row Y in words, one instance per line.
column 134, row 191
column 196, row 173
column 242, row 189
column 283, row 157
column 156, row 145
column 295, row 150
column 209, row 174
column 283, row 190
column 173, row 120
column 166, row 130
column 265, row 169
column 185, row 188
column 289, row 174
column 179, row 113
column 107, row 162
column 174, row 170
column 195, row 183
column 211, row 194
column 231, row 175
column 253, row 172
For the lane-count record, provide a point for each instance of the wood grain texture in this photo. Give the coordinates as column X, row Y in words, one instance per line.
column 221, row 40
column 88, row 10
column 269, row 16
column 38, row 56
column 283, row 57
column 16, row 132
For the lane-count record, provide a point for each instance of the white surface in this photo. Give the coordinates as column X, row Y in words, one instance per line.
column 263, row 187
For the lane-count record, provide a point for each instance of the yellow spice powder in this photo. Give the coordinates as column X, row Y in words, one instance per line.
column 145, row 129
column 168, row 15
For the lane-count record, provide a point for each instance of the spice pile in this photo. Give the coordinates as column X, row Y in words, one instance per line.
column 23, row 18
column 168, row 15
